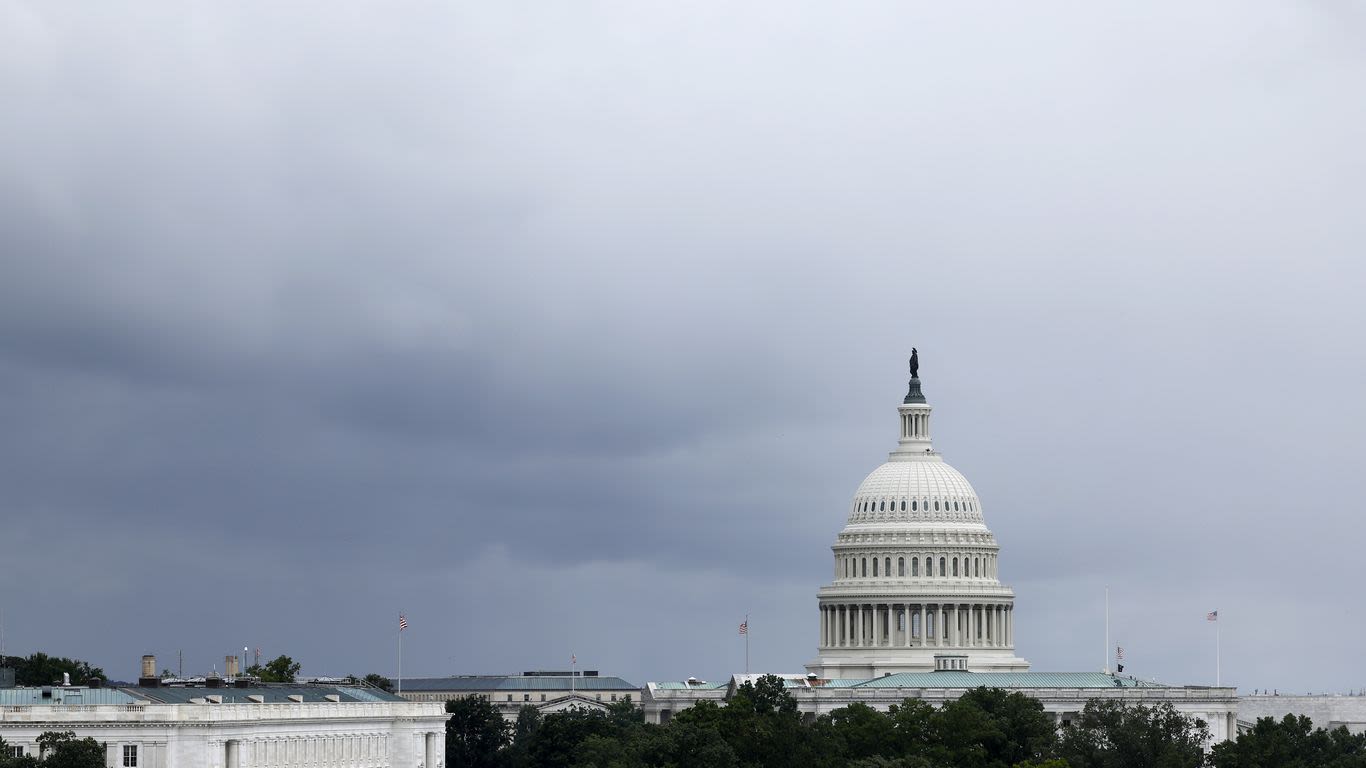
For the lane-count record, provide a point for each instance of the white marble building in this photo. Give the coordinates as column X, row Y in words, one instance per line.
column 231, row 727
column 915, row 576
column 916, row 608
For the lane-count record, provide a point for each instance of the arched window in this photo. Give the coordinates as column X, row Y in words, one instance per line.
column 901, row 566
column 903, row 505
column 882, row 506
column 915, row 566
column 846, row 567
column 912, row 505
column 955, row 506
column 875, row 566
column 942, row 561
column 955, row 566
column 936, row 505
column 865, row 567
column 887, row 567
column 976, row 566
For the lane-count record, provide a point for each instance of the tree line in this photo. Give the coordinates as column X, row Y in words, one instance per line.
column 38, row 669
column 761, row 727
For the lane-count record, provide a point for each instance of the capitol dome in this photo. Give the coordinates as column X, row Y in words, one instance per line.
column 915, row 584
column 915, row 492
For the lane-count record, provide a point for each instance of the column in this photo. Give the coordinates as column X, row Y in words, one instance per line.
column 941, row 626
column 877, row 626
column 859, row 634
column 953, row 627
column 825, row 628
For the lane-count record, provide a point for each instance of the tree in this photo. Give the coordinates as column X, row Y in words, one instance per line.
column 1113, row 734
column 40, row 669
column 475, row 733
column 557, row 740
column 376, row 680
column 1292, row 742
column 64, row 750
column 763, row 727
column 859, row 731
column 8, row 761
column 281, row 669
column 990, row 727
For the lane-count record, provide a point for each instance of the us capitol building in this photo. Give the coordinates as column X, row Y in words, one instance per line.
column 916, row 585
column 916, row 609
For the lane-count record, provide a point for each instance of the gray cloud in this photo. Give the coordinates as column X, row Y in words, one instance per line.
column 574, row 329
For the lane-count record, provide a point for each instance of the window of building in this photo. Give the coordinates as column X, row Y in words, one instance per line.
column 130, row 756
column 977, row 566
column 903, row 505
column 915, row 566
column 543, row 697
column 942, row 563
column 614, row 697
column 901, row 566
column 955, row 566
column 846, row 567
column 526, row 697
column 16, row 751
column 882, row 506
column 936, row 505
column 599, row 697
column 913, row 505
column 865, row 567
column 875, row 566
column 509, row 697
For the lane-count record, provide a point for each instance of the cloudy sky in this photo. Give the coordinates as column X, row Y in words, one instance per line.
column 572, row 328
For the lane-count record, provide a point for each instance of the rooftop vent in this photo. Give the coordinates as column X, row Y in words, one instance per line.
column 297, row 698
column 256, row 698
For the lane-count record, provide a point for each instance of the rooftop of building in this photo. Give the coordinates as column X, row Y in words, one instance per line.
column 943, row 679
column 528, row 681
column 265, row 693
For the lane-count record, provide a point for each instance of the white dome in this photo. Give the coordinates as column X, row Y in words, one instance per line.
column 926, row 490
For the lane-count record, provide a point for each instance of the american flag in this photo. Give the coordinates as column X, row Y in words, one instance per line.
column 573, row 659
column 1119, row 652
column 402, row 622
column 744, row 627
column 1212, row 616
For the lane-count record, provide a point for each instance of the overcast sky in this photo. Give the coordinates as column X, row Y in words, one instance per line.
column 572, row 328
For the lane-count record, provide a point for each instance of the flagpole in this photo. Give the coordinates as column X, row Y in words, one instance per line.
column 1107, row 630
column 747, row 643
column 399, row 681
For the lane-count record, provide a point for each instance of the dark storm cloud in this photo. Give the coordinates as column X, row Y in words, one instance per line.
column 575, row 328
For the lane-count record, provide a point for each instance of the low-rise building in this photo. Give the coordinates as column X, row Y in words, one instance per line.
column 237, row 724
column 548, row 691
column 1063, row 694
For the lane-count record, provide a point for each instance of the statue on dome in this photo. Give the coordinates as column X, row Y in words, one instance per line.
column 915, row 364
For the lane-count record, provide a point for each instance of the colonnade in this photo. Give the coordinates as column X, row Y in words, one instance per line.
column 917, row 625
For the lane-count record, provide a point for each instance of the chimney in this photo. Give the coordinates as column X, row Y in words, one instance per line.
column 149, row 677
column 230, row 666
